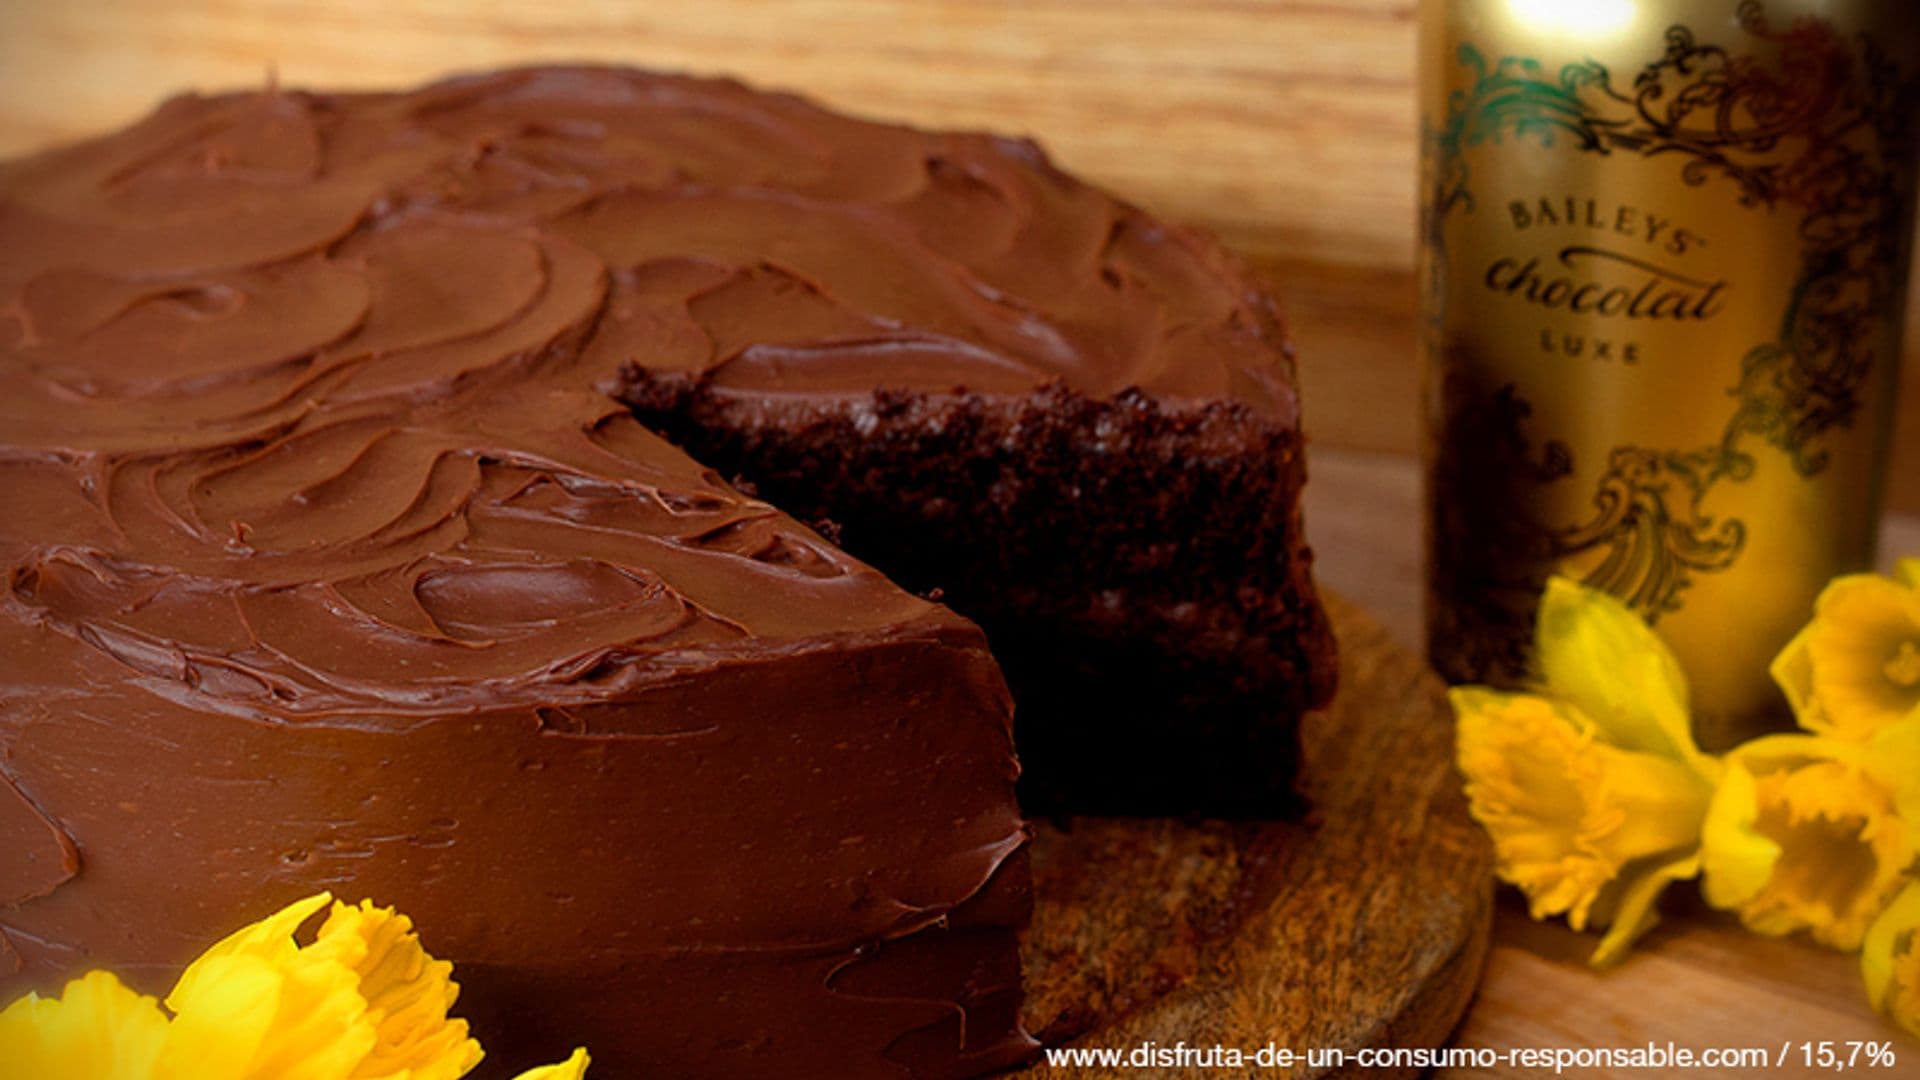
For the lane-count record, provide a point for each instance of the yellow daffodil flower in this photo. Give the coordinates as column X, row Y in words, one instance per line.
column 1890, row 960
column 362, row 1001
column 1805, row 833
column 97, row 1029
column 1592, row 789
column 1855, row 670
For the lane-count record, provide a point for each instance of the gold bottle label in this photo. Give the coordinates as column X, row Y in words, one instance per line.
column 1665, row 255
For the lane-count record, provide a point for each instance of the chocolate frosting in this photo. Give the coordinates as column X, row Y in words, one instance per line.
column 331, row 563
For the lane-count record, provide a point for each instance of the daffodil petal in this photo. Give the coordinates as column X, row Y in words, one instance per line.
column 1901, row 918
column 1787, row 750
column 1662, row 803
column 1599, row 656
column 97, row 1029
column 302, row 1019
column 1635, row 913
column 1792, row 672
column 1890, row 960
column 258, row 1006
column 271, row 938
column 1907, row 572
column 229, row 1007
column 1736, row 860
column 573, row 1068
column 1893, row 757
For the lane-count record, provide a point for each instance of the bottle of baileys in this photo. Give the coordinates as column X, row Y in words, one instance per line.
column 1665, row 258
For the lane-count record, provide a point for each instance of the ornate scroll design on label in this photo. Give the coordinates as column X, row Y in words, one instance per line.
column 1820, row 130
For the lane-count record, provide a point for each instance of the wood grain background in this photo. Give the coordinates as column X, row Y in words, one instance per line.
column 1287, row 126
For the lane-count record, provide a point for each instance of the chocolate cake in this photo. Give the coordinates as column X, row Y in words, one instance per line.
column 347, row 547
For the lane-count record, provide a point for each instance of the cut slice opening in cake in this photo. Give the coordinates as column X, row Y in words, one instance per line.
column 1138, row 566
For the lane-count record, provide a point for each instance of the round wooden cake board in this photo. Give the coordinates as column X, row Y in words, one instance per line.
column 1364, row 926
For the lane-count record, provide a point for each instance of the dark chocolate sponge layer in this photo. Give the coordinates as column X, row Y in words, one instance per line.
column 1138, row 567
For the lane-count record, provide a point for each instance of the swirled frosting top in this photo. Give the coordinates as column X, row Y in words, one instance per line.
column 300, row 391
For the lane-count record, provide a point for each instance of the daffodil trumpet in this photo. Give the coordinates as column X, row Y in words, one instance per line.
column 1854, row 671
column 1805, row 834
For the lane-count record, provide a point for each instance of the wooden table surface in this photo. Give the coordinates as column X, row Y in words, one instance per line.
column 1698, row 980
